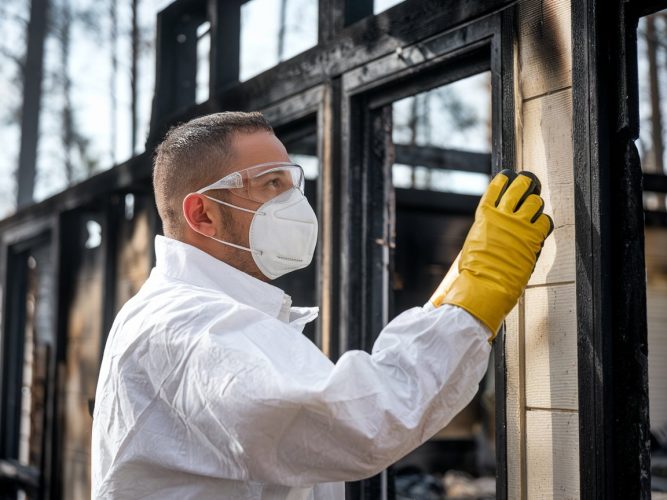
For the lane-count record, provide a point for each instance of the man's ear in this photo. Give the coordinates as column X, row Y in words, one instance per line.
column 198, row 214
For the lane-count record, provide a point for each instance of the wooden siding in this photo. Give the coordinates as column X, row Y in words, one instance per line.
column 541, row 333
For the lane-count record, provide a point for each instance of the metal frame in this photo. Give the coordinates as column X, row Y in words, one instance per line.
column 361, row 63
column 611, row 285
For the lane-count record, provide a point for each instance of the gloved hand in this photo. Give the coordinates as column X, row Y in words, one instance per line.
column 500, row 251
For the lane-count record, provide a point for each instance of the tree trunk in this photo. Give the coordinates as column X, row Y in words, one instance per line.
column 66, row 82
column 134, row 74
column 281, row 29
column 32, row 96
column 113, row 36
column 657, row 146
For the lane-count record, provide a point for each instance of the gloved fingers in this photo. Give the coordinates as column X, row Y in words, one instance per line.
column 531, row 208
column 522, row 187
column 497, row 187
column 545, row 224
column 538, row 185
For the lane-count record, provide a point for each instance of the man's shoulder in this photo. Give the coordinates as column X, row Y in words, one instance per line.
column 162, row 301
column 170, row 310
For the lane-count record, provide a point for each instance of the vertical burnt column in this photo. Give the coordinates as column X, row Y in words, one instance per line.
column 225, row 19
column 175, row 62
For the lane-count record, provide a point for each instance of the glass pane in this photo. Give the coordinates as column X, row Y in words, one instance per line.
column 442, row 143
column 273, row 31
column 382, row 5
column 301, row 143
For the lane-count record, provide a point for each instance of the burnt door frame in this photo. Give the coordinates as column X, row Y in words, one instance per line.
column 367, row 204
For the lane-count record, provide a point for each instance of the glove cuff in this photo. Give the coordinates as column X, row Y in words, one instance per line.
column 488, row 302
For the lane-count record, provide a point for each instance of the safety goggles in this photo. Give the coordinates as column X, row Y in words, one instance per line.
column 262, row 182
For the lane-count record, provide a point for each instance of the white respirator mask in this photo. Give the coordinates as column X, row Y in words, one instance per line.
column 283, row 233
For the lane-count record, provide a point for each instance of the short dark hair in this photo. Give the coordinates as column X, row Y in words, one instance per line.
column 194, row 154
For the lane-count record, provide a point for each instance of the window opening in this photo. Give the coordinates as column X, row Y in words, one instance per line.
column 273, row 31
column 203, row 61
column 27, row 367
column 382, row 5
column 442, row 143
column 301, row 143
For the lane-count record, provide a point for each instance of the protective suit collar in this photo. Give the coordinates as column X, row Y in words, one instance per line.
column 187, row 263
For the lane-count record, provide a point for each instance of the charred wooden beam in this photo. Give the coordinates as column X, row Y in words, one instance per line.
column 436, row 201
column 176, row 58
column 444, row 159
column 134, row 174
column 655, row 218
column 368, row 39
column 655, row 183
column 18, row 474
column 225, row 19
column 611, row 287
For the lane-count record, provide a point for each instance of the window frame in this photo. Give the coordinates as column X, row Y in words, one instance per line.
column 368, row 210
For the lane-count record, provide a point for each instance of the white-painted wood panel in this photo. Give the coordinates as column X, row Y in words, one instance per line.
column 552, row 455
column 551, row 347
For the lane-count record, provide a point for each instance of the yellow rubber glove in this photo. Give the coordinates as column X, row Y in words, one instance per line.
column 500, row 251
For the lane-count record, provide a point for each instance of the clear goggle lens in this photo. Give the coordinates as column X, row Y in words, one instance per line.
column 261, row 183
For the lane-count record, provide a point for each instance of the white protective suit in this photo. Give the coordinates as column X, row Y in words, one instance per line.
column 208, row 389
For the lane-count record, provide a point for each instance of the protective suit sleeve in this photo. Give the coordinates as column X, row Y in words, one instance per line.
column 294, row 418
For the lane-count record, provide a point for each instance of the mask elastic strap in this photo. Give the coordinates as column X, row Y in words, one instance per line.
column 234, row 245
column 234, row 206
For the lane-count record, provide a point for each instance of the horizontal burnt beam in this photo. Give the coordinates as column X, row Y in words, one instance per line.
column 436, row 201
column 445, row 159
column 363, row 41
column 131, row 176
column 656, row 183
column 655, row 218
column 17, row 473
column 367, row 39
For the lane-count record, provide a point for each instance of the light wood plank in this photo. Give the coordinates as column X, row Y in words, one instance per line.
column 514, row 411
column 547, row 152
column 551, row 347
column 556, row 263
column 545, row 46
column 655, row 244
column 656, row 308
column 552, row 453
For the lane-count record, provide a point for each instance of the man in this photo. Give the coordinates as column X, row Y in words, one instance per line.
column 207, row 387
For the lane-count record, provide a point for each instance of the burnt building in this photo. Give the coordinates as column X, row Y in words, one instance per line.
column 399, row 118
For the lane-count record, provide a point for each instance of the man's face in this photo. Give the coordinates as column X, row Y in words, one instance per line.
column 249, row 149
